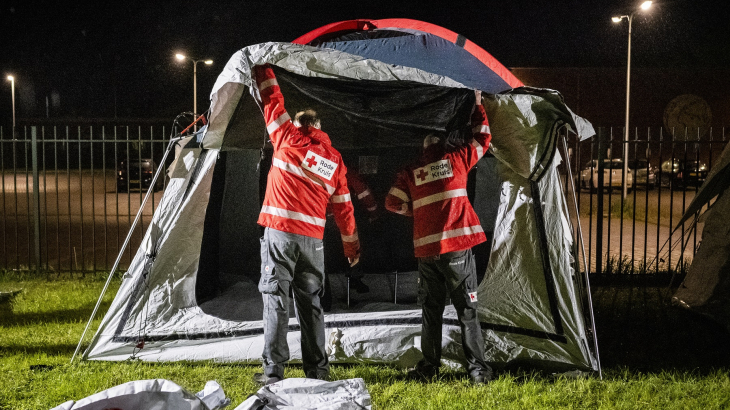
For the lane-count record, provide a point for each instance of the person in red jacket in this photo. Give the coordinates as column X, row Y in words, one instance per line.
column 433, row 191
column 307, row 173
column 363, row 201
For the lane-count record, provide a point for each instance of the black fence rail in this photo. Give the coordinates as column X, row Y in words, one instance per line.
column 628, row 218
column 70, row 195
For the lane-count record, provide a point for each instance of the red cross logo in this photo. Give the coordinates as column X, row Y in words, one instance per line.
column 473, row 296
column 422, row 175
column 311, row 162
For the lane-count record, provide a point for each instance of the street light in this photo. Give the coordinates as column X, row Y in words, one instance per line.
column 182, row 57
column 12, row 91
column 617, row 19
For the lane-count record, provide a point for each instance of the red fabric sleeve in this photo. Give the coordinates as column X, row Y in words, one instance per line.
column 481, row 136
column 278, row 123
column 398, row 199
column 344, row 215
column 358, row 188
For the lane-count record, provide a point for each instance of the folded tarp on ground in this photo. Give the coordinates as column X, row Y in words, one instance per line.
column 306, row 394
column 155, row 394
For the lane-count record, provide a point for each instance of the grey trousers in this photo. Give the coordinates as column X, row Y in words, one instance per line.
column 453, row 274
column 296, row 262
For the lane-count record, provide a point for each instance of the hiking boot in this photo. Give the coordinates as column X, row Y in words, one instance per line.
column 422, row 373
column 262, row 380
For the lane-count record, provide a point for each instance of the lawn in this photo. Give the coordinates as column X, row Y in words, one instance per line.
column 654, row 357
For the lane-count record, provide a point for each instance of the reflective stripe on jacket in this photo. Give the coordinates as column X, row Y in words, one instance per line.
column 306, row 174
column 433, row 191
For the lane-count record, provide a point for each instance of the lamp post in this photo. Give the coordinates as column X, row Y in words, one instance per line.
column 12, row 91
column 630, row 18
column 182, row 57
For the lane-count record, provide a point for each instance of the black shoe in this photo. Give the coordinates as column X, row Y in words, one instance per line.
column 423, row 373
column 359, row 286
column 262, row 380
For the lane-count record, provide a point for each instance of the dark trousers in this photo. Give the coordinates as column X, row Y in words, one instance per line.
column 450, row 274
column 292, row 262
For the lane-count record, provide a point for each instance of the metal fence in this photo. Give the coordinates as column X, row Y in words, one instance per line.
column 65, row 206
column 635, row 233
column 65, row 203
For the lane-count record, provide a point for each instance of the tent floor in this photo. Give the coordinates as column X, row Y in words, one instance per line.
column 241, row 301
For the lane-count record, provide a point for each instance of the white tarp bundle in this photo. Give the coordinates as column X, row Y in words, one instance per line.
column 529, row 301
column 310, row 394
column 155, row 394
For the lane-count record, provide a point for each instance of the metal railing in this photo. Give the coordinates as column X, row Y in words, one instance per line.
column 635, row 234
column 65, row 203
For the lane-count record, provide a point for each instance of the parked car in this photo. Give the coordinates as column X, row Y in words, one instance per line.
column 612, row 175
column 141, row 172
column 677, row 173
column 644, row 174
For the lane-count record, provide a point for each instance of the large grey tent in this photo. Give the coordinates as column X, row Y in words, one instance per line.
column 706, row 288
column 190, row 292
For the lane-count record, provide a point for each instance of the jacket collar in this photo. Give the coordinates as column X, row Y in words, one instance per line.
column 316, row 134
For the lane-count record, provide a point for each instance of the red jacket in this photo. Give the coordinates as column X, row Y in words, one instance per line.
column 306, row 174
column 433, row 191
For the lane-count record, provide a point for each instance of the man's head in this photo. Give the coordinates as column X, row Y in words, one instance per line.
column 307, row 118
column 431, row 139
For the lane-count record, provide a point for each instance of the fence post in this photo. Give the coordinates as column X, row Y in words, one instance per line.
column 36, row 200
column 599, row 201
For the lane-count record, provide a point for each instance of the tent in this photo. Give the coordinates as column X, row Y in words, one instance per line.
column 706, row 288
column 190, row 292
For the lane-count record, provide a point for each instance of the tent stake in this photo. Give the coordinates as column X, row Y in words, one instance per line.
column 585, row 264
column 126, row 242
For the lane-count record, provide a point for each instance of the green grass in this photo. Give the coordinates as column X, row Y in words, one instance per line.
column 654, row 357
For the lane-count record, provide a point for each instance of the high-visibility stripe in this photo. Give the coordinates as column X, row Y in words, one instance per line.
column 399, row 194
column 268, row 83
column 338, row 199
column 372, row 208
column 350, row 238
column 284, row 213
column 403, row 209
column 277, row 123
column 363, row 194
column 297, row 170
column 454, row 193
column 479, row 148
column 469, row 230
column 481, row 128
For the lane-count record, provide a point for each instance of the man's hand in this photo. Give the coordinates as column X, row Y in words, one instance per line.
column 478, row 94
column 354, row 260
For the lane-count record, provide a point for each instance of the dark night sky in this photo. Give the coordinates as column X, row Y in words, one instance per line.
column 95, row 60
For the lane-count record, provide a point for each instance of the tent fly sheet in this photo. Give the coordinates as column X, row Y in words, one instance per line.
column 706, row 288
column 191, row 294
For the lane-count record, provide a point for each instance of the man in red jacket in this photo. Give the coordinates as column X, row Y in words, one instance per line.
column 307, row 173
column 364, row 202
column 433, row 191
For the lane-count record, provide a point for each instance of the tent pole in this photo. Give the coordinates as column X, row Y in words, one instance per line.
column 583, row 249
column 126, row 242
